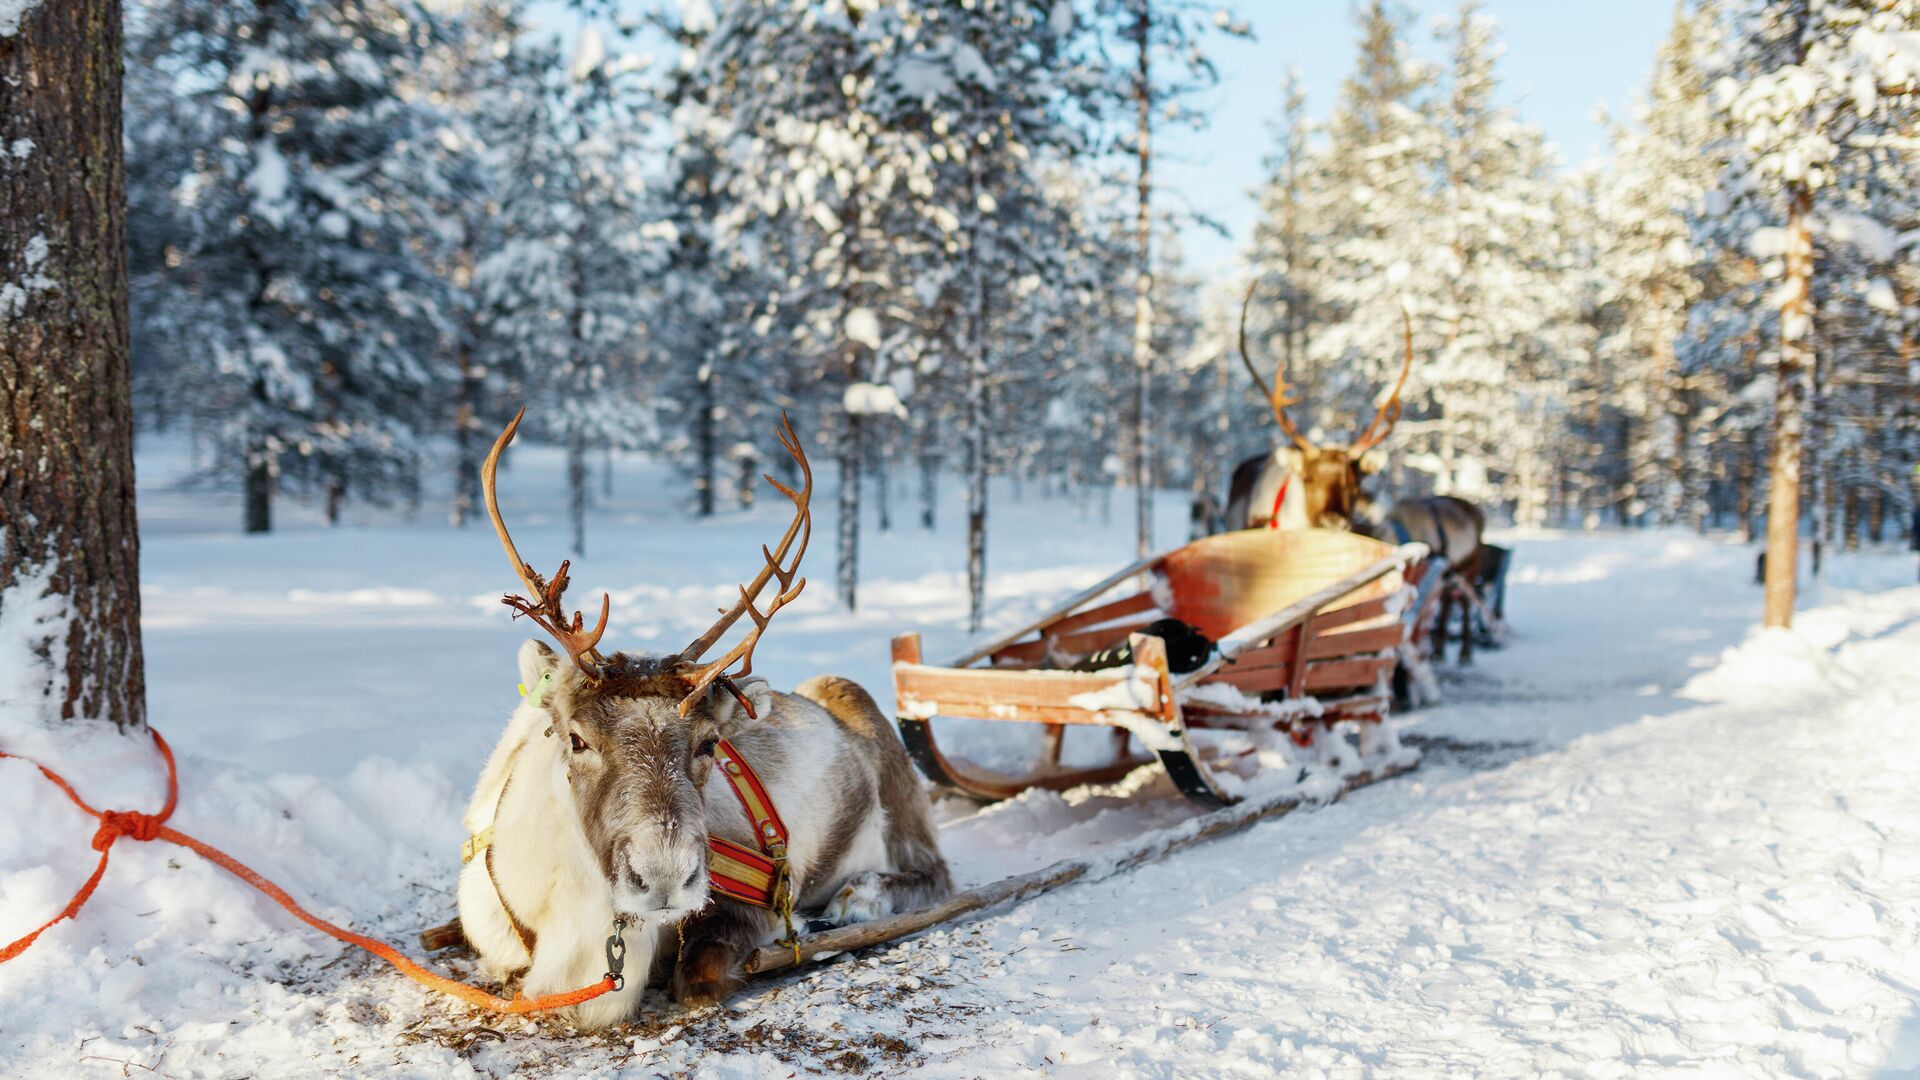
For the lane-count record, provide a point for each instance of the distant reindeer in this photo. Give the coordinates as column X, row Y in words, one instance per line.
column 1306, row 485
column 596, row 807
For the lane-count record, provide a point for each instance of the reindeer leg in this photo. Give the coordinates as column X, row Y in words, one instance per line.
column 1440, row 624
column 1466, row 630
column 713, row 944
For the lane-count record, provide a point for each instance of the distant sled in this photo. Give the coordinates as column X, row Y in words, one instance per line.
column 1306, row 628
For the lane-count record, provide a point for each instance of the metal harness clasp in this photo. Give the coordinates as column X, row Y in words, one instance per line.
column 617, row 953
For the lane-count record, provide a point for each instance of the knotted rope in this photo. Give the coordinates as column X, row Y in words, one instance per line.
column 132, row 824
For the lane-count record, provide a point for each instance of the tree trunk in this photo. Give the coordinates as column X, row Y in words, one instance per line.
column 883, row 482
column 1796, row 339
column 929, row 487
column 849, row 569
column 466, row 439
column 1143, row 284
column 336, row 496
column 577, row 491
column 1850, row 519
column 706, row 438
column 1747, row 482
column 259, row 487
column 744, row 487
column 70, row 543
column 976, row 428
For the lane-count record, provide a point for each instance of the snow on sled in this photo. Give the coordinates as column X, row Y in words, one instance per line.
column 1299, row 631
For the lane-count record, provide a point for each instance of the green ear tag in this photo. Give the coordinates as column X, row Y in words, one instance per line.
column 539, row 688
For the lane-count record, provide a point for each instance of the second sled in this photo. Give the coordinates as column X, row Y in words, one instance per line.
column 1307, row 626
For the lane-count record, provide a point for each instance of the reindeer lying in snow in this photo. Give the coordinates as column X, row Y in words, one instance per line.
column 598, row 803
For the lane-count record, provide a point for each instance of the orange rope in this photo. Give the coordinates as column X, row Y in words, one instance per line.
column 115, row 824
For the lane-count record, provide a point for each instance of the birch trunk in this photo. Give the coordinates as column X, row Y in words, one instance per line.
column 976, row 397
column 1143, row 285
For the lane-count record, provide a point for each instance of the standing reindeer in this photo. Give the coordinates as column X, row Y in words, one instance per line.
column 1306, row 485
column 593, row 815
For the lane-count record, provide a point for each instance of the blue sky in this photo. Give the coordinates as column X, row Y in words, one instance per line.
column 1563, row 60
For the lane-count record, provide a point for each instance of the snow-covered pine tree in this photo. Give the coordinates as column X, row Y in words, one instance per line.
column 813, row 166
column 1802, row 91
column 1664, row 162
column 1503, row 308
column 1284, row 310
column 485, row 76
column 559, row 298
column 297, row 303
column 1165, row 39
column 705, row 293
column 1375, row 235
column 990, row 90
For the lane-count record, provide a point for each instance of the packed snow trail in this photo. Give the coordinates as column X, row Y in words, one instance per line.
column 1645, row 840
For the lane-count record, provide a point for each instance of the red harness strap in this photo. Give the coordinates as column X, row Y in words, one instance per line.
column 1274, row 521
column 752, row 877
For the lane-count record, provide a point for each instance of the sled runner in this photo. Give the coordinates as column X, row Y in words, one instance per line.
column 1306, row 627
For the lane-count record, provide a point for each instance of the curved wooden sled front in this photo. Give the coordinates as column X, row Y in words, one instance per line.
column 1307, row 624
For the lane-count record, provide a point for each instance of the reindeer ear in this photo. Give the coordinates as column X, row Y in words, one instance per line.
column 1372, row 462
column 727, row 711
column 537, row 660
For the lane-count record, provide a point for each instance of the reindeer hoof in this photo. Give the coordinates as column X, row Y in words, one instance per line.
column 705, row 976
column 862, row 899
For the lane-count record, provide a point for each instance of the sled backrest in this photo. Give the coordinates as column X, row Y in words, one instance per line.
column 1225, row 582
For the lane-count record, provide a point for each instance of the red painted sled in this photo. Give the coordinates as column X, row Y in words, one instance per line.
column 1307, row 626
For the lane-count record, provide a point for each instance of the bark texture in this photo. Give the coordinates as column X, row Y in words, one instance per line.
column 69, row 542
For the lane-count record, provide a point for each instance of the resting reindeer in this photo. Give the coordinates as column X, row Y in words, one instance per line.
column 598, row 802
column 1306, row 485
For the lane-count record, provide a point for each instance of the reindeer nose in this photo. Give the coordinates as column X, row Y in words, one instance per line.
column 634, row 879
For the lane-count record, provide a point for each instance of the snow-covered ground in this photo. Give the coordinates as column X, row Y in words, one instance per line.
column 1646, row 839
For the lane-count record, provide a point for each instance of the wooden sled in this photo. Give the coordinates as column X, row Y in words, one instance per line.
column 1307, row 625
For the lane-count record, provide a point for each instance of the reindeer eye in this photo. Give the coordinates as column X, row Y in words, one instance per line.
column 579, row 744
column 707, row 748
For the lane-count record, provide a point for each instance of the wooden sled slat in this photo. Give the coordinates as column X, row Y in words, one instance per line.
column 932, row 691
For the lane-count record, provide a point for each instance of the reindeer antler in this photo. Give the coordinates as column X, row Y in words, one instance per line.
column 777, row 568
column 1389, row 412
column 1276, row 397
column 542, row 602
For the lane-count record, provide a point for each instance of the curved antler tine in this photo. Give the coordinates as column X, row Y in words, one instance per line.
column 542, row 601
column 775, row 566
column 1389, row 412
column 1275, row 395
column 801, row 526
column 600, row 628
column 488, row 470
